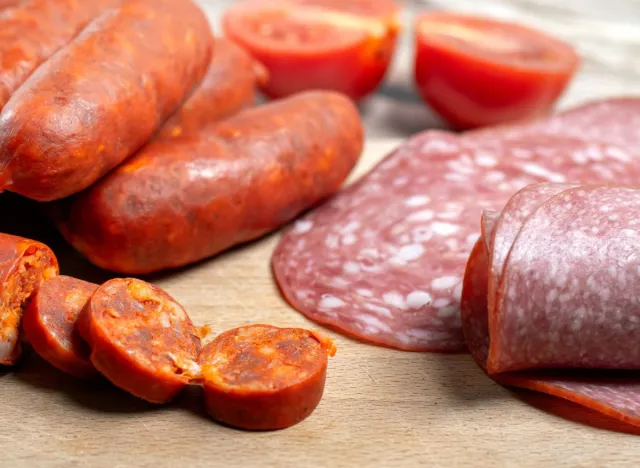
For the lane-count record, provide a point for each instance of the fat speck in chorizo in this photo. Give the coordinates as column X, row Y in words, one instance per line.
column 261, row 377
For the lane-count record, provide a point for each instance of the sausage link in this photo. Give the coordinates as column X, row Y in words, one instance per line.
column 180, row 201
column 24, row 264
column 141, row 339
column 49, row 324
column 32, row 31
column 229, row 86
column 261, row 377
column 100, row 98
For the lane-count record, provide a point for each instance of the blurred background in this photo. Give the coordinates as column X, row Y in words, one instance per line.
column 605, row 32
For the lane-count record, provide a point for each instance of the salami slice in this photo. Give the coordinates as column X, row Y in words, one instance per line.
column 383, row 260
column 565, row 266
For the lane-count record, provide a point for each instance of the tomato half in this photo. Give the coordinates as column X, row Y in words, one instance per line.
column 477, row 71
column 338, row 45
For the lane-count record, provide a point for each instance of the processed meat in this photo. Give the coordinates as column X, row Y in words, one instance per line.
column 141, row 339
column 24, row 264
column 179, row 201
column 552, row 283
column 229, row 86
column 34, row 30
column 384, row 259
column 261, row 377
column 49, row 324
column 91, row 105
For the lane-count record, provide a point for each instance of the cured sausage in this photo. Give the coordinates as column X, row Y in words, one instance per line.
column 33, row 30
column 261, row 377
column 229, row 86
column 49, row 324
column 384, row 259
column 179, row 201
column 24, row 264
column 552, row 284
column 141, row 339
column 91, row 105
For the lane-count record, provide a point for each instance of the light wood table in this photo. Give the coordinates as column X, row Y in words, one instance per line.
column 381, row 407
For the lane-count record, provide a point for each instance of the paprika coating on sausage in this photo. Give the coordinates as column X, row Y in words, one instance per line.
column 141, row 339
column 34, row 30
column 101, row 97
column 229, row 86
column 24, row 264
column 49, row 324
column 180, row 201
column 261, row 377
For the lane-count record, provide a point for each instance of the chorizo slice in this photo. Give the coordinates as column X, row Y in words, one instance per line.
column 182, row 200
column 24, row 265
column 229, row 86
column 101, row 97
column 261, row 377
column 141, row 339
column 49, row 324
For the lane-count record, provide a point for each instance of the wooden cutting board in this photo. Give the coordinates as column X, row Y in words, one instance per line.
column 381, row 407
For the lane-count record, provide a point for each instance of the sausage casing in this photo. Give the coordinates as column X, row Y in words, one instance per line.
column 101, row 97
column 180, row 201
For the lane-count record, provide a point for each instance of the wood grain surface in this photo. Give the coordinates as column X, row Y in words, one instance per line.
column 381, row 407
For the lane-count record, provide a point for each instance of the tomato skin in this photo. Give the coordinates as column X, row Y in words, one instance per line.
column 355, row 69
column 471, row 90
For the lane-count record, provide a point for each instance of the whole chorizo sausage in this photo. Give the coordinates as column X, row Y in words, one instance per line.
column 24, row 264
column 261, row 377
column 33, row 30
column 180, row 201
column 141, row 339
column 49, row 324
column 101, row 97
column 229, row 86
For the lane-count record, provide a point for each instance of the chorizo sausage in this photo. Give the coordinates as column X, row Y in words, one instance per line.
column 141, row 339
column 101, row 97
column 229, row 86
column 32, row 31
column 180, row 201
column 261, row 377
column 49, row 324
column 24, row 264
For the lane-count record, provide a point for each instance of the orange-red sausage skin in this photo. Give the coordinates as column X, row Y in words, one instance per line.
column 180, row 201
column 24, row 265
column 49, row 325
column 100, row 98
column 229, row 86
column 141, row 339
column 261, row 377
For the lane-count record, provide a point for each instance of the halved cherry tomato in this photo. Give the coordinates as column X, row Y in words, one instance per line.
column 338, row 45
column 477, row 71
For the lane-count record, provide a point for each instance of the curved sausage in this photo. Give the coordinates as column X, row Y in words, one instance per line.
column 100, row 98
column 229, row 86
column 34, row 30
column 49, row 324
column 24, row 264
column 180, row 201
column 141, row 339
column 261, row 377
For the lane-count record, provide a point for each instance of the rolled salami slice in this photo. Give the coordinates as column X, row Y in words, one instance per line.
column 383, row 261
column 552, row 284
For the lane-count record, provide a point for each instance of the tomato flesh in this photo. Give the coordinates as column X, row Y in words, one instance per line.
column 317, row 44
column 475, row 72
